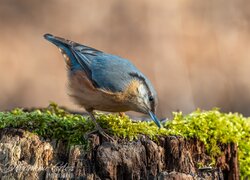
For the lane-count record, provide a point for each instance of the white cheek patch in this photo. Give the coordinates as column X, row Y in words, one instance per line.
column 142, row 91
column 143, row 95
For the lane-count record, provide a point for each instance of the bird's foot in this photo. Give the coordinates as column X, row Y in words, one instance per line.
column 98, row 128
column 102, row 132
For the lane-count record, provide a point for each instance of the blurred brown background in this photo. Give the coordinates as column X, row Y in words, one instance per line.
column 195, row 52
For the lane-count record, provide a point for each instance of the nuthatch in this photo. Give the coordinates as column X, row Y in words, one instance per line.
column 101, row 81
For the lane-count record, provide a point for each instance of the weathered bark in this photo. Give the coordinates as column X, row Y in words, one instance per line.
column 24, row 155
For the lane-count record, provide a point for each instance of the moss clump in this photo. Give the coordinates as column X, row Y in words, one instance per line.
column 214, row 128
column 51, row 122
column 211, row 127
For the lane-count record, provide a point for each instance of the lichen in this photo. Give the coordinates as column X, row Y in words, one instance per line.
column 212, row 127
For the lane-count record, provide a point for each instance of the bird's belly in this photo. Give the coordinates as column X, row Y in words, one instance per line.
column 85, row 94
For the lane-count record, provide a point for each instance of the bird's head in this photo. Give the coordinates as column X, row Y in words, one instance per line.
column 145, row 98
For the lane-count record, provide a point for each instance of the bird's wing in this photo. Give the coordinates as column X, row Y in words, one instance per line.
column 107, row 71
column 84, row 56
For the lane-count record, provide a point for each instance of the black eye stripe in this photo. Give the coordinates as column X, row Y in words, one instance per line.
column 151, row 98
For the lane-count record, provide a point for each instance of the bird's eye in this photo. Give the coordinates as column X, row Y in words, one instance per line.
column 151, row 98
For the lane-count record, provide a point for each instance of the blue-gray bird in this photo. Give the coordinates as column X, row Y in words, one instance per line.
column 105, row 82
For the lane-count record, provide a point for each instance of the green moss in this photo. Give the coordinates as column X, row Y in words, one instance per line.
column 215, row 128
column 211, row 127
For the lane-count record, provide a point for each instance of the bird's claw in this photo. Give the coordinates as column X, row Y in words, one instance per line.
column 108, row 137
column 102, row 132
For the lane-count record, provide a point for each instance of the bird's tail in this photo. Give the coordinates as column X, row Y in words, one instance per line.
column 58, row 41
column 65, row 47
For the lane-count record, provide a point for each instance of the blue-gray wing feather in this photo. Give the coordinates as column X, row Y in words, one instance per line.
column 107, row 71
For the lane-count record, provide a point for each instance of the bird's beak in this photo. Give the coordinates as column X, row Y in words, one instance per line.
column 155, row 119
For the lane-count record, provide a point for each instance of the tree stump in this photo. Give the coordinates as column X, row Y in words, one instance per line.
column 24, row 155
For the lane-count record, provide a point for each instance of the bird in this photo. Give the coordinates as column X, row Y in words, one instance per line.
column 105, row 82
